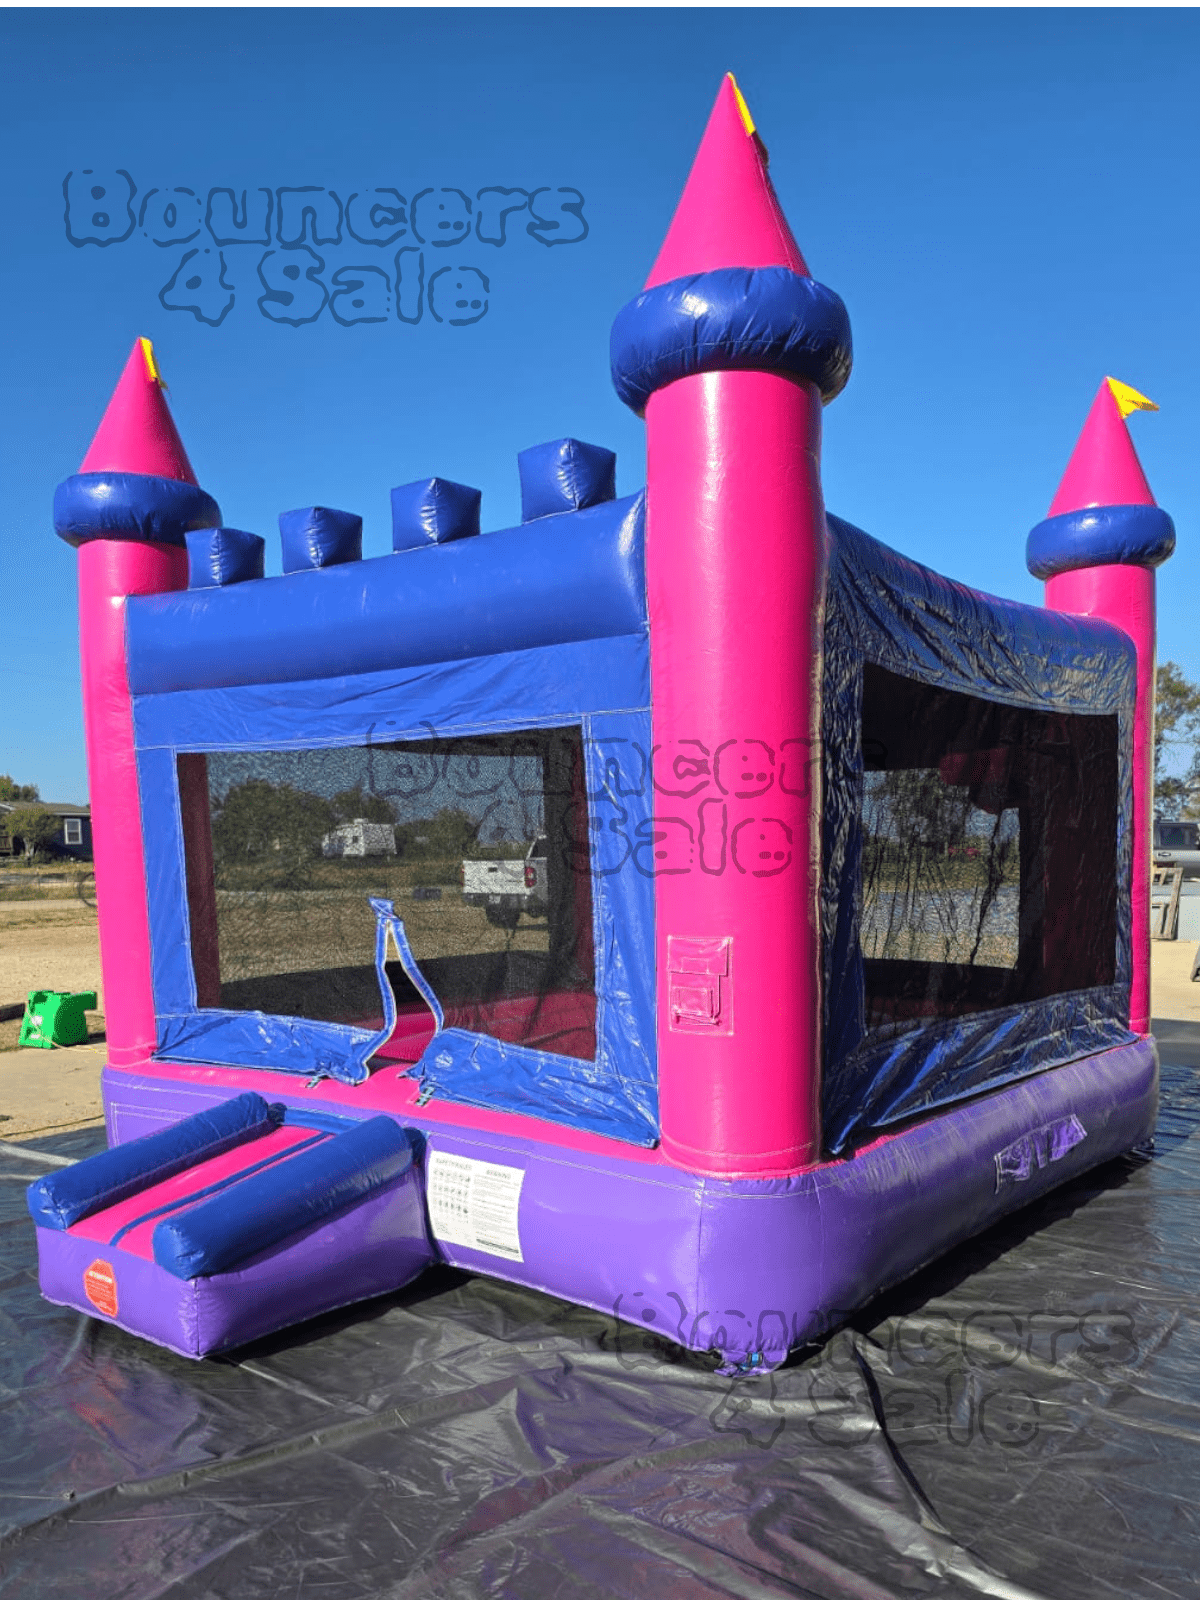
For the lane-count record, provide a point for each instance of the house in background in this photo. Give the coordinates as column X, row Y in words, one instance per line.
column 74, row 837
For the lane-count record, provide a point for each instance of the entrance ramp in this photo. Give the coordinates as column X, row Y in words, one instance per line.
column 232, row 1224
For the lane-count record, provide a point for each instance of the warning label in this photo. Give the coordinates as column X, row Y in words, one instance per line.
column 475, row 1204
column 100, row 1286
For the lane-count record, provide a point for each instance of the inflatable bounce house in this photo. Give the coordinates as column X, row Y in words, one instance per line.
column 682, row 904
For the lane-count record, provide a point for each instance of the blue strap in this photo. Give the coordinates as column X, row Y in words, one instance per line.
column 388, row 922
column 215, row 1188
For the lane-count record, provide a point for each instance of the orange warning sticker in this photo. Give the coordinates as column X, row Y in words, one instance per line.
column 100, row 1286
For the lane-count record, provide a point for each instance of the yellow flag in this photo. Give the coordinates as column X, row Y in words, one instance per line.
column 747, row 119
column 155, row 375
column 1128, row 400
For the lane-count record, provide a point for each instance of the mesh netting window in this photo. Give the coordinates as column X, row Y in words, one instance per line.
column 989, row 862
column 481, row 844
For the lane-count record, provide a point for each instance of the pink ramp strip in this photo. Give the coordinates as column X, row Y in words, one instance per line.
column 137, row 433
column 102, row 1225
column 1104, row 469
column 728, row 215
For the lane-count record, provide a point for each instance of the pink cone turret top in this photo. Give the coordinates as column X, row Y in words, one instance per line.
column 730, row 290
column 136, row 481
column 1103, row 513
column 137, row 433
column 1104, row 469
column 728, row 215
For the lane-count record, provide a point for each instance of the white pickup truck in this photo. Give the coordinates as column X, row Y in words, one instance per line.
column 506, row 888
column 1177, row 844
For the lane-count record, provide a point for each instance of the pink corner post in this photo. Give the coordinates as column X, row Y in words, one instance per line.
column 1105, row 538
column 136, row 443
column 736, row 560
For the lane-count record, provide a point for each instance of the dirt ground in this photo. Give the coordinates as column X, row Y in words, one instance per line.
column 47, row 944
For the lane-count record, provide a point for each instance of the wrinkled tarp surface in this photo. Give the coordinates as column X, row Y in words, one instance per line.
column 1021, row 1420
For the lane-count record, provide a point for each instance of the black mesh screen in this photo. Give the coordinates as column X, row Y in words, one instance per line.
column 989, row 852
column 480, row 843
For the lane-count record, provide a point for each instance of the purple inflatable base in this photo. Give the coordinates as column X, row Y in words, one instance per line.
column 750, row 1269
column 372, row 1248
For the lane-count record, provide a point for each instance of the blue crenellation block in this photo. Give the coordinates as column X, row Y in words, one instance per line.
column 220, row 556
column 433, row 511
column 316, row 536
column 565, row 475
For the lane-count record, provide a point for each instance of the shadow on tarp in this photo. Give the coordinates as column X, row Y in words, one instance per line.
column 1020, row 1419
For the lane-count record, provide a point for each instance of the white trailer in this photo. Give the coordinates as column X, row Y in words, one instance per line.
column 360, row 838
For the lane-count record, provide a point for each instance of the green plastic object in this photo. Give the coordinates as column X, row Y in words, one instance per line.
column 55, row 1016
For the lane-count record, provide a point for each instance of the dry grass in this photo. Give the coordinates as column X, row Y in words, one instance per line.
column 52, row 883
column 303, row 930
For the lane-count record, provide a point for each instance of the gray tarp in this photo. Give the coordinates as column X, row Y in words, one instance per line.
column 1023, row 1419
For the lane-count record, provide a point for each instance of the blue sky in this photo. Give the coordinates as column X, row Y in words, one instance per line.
column 1006, row 201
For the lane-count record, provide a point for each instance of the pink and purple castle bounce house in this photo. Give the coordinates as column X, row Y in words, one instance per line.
column 682, row 904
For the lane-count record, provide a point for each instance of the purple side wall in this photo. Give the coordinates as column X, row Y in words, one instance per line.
column 753, row 1267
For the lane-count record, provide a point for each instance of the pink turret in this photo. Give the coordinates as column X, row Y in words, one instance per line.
column 730, row 351
column 1097, row 551
column 1104, row 469
column 137, row 432
column 729, row 214
column 128, row 510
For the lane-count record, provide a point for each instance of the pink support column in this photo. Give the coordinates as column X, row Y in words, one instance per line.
column 1125, row 595
column 110, row 571
column 735, row 553
column 730, row 351
column 128, row 511
column 1098, row 550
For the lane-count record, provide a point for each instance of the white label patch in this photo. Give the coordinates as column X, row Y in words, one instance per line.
column 475, row 1203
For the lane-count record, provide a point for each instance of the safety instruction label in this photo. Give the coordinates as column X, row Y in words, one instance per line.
column 100, row 1286
column 475, row 1204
